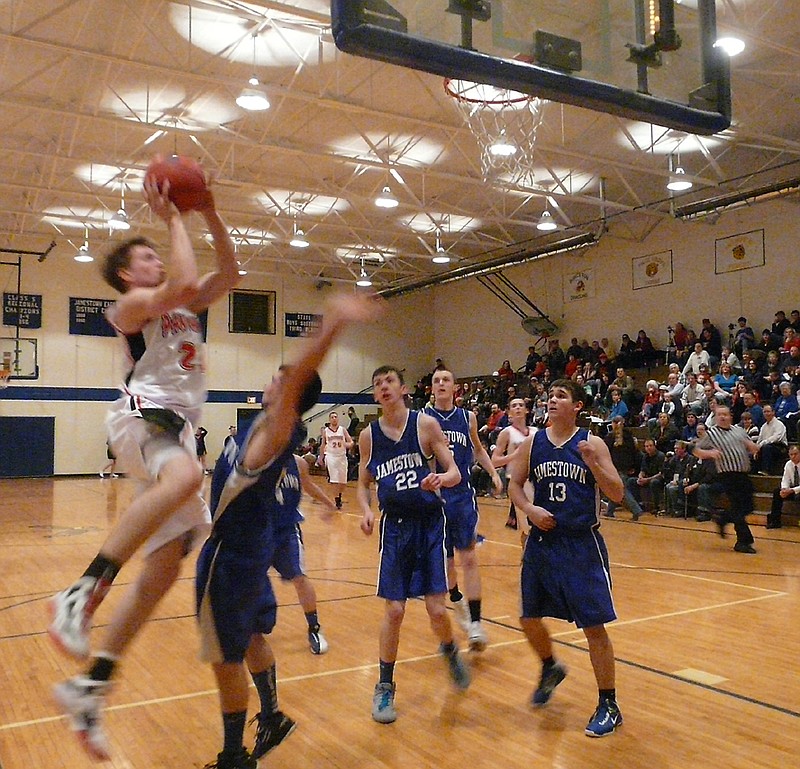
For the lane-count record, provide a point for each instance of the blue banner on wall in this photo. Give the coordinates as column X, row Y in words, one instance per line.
column 22, row 310
column 301, row 323
column 87, row 316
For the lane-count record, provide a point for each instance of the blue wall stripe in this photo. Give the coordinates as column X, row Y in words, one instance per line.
column 108, row 394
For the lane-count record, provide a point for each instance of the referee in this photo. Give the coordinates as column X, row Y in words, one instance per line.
column 729, row 447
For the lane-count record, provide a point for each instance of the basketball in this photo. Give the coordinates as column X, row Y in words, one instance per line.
column 187, row 183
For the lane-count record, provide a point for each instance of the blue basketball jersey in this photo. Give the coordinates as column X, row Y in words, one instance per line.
column 455, row 426
column 246, row 505
column 398, row 467
column 562, row 483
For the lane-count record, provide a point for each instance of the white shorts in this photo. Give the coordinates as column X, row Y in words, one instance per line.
column 143, row 448
column 337, row 468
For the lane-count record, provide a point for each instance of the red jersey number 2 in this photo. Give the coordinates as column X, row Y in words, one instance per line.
column 189, row 358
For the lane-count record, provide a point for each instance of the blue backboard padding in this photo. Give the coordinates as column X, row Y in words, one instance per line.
column 374, row 42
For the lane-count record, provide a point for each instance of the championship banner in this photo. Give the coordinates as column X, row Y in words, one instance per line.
column 22, row 310
column 579, row 285
column 652, row 270
column 87, row 317
column 299, row 324
column 739, row 252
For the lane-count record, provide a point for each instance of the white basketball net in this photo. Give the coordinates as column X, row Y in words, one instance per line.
column 504, row 122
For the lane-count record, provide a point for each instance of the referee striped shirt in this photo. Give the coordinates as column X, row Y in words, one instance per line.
column 732, row 442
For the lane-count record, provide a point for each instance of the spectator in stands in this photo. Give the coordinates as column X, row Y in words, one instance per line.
column 574, row 349
column 352, row 426
column 701, row 488
column 691, row 341
column 650, row 480
column 696, row 359
column 625, row 384
column 746, row 423
column 689, row 432
column 752, row 374
column 618, row 406
column 712, row 341
column 596, row 351
column 787, row 409
column 780, row 324
column 692, row 395
column 790, row 337
column 664, row 434
column 679, row 340
column 676, row 473
column 737, row 403
column 532, row 359
column 505, row 375
column 627, row 352
column 756, row 412
column 771, row 442
column 556, row 359
column 770, row 389
column 669, row 406
column 572, row 365
column 768, row 341
column 652, row 397
column 743, row 338
column 729, row 357
column 794, row 320
column 674, row 385
column 627, row 460
column 789, row 488
column 648, row 355
column 725, row 380
column 492, row 421
column 608, row 350
column 792, row 359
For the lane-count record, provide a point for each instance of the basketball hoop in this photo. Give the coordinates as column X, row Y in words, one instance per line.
column 5, row 376
column 504, row 122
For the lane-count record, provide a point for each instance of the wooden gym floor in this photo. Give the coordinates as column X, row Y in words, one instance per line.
column 707, row 647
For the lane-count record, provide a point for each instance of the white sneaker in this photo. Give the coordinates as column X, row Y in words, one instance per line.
column 478, row 639
column 316, row 641
column 81, row 701
column 461, row 608
column 72, row 611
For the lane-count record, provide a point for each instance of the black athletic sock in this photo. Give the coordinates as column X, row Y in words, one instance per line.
column 548, row 663
column 475, row 610
column 386, row 672
column 608, row 695
column 455, row 594
column 313, row 621
column 102, row 568
column 233, row 727
column 102, row 667
column 450, row 649
column 266, row 683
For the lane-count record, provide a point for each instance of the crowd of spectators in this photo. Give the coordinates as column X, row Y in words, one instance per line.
column 757, row 376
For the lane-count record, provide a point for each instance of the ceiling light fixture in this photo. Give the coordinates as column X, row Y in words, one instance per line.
column 386, row 199
column 502, row 147
column 733, row 46
column 119, row 220
column 678, row 182
column 546, row 222
column 299, row 239
column 441, row 256
column 83, row 254
column 253, row 97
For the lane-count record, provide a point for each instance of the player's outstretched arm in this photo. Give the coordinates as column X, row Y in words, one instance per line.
column 482, row 456
column 218, row 283
column 273, row 433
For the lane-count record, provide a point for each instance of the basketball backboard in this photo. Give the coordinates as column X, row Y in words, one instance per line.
column 649, row 60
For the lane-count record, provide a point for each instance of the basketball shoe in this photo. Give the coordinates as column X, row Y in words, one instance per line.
column 72, row 611
column 238, row 760
column 81, row 700
column 459, row 672
column 551, row 677
column 383, row 703
column 316, row 641
column 477, row 637
column 272, row 730
column 604, row 720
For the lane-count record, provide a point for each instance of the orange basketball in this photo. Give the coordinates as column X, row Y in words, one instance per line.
column 187, row 183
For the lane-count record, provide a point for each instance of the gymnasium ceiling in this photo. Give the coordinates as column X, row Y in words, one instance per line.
column 91, row 89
